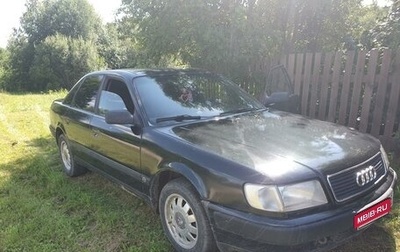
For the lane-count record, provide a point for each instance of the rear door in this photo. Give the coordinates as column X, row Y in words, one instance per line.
column 77, row 118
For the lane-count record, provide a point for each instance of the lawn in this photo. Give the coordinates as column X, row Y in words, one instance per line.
column 41, row 209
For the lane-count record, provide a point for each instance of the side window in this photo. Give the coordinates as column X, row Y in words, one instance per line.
column 115, row 96
column 85, row 97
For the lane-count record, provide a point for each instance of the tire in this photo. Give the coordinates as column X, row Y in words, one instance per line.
column 184, row 219
column 70, row 167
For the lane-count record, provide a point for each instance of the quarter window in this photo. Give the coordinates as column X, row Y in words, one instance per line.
column 85, row 98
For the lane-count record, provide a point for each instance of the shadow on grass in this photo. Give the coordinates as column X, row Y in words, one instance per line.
column 44, row 210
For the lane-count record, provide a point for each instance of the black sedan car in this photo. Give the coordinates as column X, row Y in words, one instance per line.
column 223, row 171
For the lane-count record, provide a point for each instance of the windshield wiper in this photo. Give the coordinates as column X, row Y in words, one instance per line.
column 178, row 118
column 236, row 111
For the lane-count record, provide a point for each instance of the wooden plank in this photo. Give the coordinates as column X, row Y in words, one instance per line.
column 368, row 91
column 324, row 86
column 381, row 92
column 306, row 83
column 355, row 98
column 299, row 72
column 344, row 96
column 284, row 61
column 291, row 66
column 393, row 100
column 335, row 87
column 315, row 84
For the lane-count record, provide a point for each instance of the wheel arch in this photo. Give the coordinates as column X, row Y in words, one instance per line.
column 59, row 131
column 173, row 171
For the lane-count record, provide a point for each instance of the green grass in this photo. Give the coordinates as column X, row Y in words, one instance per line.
column 41, row 209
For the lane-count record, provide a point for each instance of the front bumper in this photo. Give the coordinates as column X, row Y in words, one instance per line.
column 239, row 231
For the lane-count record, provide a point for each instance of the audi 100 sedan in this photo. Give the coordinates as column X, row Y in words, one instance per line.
column 223, row 172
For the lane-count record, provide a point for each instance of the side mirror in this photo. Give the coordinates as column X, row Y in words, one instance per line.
column 119, row 117
column 283, row 101
column 277, row 97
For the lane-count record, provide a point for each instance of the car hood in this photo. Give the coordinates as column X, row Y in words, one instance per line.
column 275, row 142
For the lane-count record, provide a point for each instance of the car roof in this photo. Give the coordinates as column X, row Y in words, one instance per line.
column 131, row 73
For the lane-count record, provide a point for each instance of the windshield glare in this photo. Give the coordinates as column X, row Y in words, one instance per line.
column 202, row 95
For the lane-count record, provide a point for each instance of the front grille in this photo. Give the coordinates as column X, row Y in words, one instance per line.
column 344, row 183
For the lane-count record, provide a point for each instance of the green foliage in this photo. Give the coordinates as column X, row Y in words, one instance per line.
column 72, row 18
column 234, row 37
column 216, row 35
column 4, row 55
column 313, row 25
column 387, row 32
column 19, row 63
column 60, row 61
column 363, row 20
column 119, row 51
column 55, row 45
column 109, row 46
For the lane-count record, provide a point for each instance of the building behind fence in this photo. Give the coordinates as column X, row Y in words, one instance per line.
column 359, row 89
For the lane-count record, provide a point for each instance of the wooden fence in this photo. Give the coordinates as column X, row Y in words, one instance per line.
column 359, row 89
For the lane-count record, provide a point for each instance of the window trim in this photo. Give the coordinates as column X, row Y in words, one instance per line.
column 106, row 80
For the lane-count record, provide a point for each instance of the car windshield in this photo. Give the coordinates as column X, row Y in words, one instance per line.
column 186, row 96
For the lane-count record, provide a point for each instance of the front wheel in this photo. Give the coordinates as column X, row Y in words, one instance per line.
column 183, row 218
column 70, row 167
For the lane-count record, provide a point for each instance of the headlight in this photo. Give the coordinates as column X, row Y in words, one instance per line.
column 385, row 158
column 285, row 198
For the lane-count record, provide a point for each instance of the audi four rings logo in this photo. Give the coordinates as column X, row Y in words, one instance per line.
column 365, row 175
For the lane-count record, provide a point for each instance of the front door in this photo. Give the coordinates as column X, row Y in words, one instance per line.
column 117, row 145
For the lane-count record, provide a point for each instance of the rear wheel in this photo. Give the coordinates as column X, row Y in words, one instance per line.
column 183, row 218
column 70, row 167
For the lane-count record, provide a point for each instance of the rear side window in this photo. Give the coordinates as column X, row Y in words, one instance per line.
column 85, row 97
column 70, row 96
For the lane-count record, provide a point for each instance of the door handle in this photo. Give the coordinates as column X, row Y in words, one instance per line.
column 66, row 119
column 96, row 132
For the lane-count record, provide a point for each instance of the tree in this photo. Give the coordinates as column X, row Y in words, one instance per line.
column 19, row 62
column 50, row 25
column 234, row 36
column 387, row 32
column 60, row 61
column 71, row 18
column 4, row 55
column 363, row 20
column 208, row 34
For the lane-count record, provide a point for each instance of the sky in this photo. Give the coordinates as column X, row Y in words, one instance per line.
column 12, row 10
